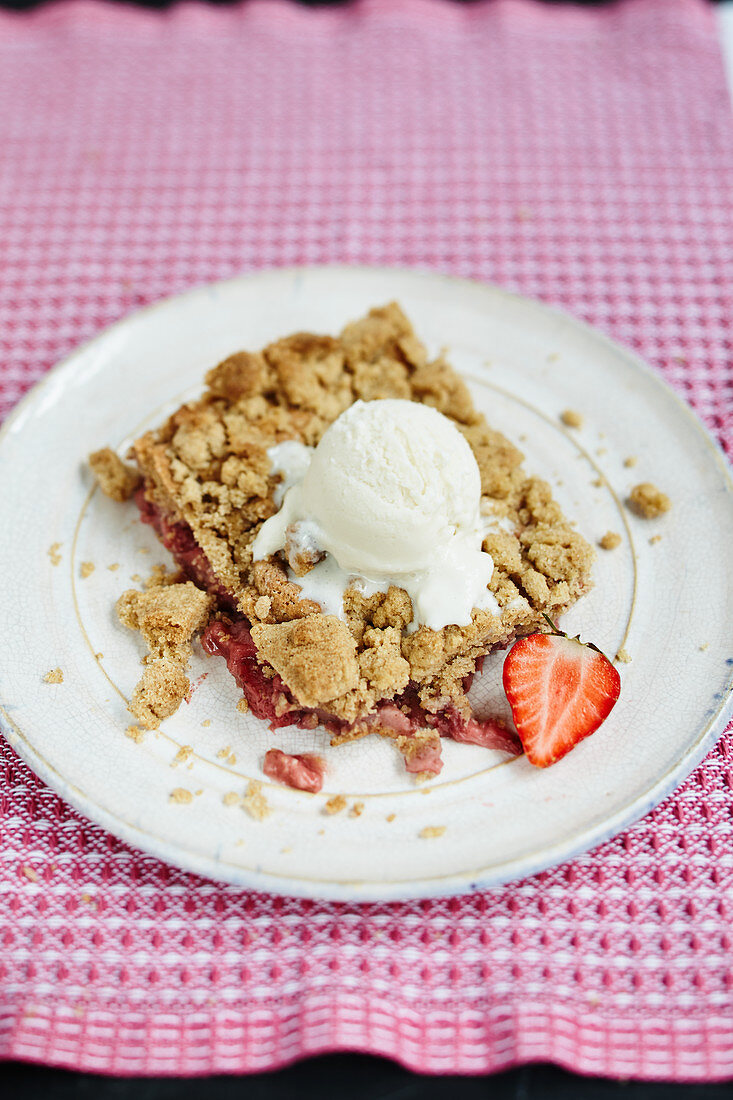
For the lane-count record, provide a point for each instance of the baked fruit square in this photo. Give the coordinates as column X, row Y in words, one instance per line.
column 364, row 537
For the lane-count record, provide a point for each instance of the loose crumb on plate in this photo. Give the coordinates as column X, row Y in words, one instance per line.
column 357, row 809
column 243, row 705
column 114, row 567
column 181, row 796
column 655, row 539
column 598, row 482
column 182, row 756
column 610, row 540
column 432, row 831
column 704, row 646
column 53, row 553
column 231, row 798
column 223, row 753
column 335, row 805
column 647, row 501
column 571, row 418
column 206, row 723
column 623, row 656
column 86, row 569
column 390, row 817
column 115, row 479
column 254, row 802
column 630, row 461
column 135, row 734
column 55, row 676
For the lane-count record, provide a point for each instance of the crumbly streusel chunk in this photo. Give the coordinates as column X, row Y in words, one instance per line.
column 116, row 480
column 207, row 467
column 648, row 501
column 167, row 616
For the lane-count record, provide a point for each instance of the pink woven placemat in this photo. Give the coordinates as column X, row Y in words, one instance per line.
column 584, row 156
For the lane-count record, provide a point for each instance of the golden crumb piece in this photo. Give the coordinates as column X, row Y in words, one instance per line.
column 648, row 501
column 242, row 705
column 115, row 479
column 135, row 734
column 86, row 569
column 183, row 755
column 231, row 759
column 55, row 676
column 30, row 874
column 316, row 656
column 181, row 796
column 262, row 607
column 571, row 418
column 598, row 482
column 206, row 723
column 390, row 817
column 655, row 539
column 223, row 753
column 357, row 809
column 610, row 540
column 704, row 646
column 231, row 798
column 167, row 616
column 335, row 805
column 623, row 656
column 159, row 692
column 114, row 567
column 255, row 803
column 432, row 831
column 630, row 461
column 53, row 553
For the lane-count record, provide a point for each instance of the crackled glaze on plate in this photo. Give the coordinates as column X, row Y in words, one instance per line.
column 667, row 603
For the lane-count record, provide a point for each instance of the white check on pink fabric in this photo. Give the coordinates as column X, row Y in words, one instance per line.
column 584, row 156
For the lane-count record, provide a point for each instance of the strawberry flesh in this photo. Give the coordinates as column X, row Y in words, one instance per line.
column 560, row 691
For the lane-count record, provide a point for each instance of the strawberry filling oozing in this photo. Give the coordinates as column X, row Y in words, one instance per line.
column 270, row 699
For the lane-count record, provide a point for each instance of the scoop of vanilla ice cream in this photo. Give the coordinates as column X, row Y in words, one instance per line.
column 392, row 493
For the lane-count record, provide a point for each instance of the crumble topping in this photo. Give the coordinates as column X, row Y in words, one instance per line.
column 115, row 479
column 167, row 616
column 207, row 470
column 610, row 540
column 648, row 502
column 181, row 796
column 255, row 803
column 571, row 418
column 335, row 805
column 55, row 676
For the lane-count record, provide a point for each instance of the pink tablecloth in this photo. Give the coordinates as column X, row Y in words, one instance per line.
column 581, row 155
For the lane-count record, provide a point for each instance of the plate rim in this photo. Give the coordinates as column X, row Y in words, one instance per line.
column 360, row 892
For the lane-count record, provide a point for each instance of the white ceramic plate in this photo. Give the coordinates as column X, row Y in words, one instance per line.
column 668, row 603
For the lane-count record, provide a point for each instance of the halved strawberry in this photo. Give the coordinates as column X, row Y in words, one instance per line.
column 560, row 690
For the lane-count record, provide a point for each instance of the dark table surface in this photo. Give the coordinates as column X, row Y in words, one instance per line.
column 351, row 1076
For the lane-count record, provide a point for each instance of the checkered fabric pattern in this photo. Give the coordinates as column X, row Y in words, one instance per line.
column 584, row 156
